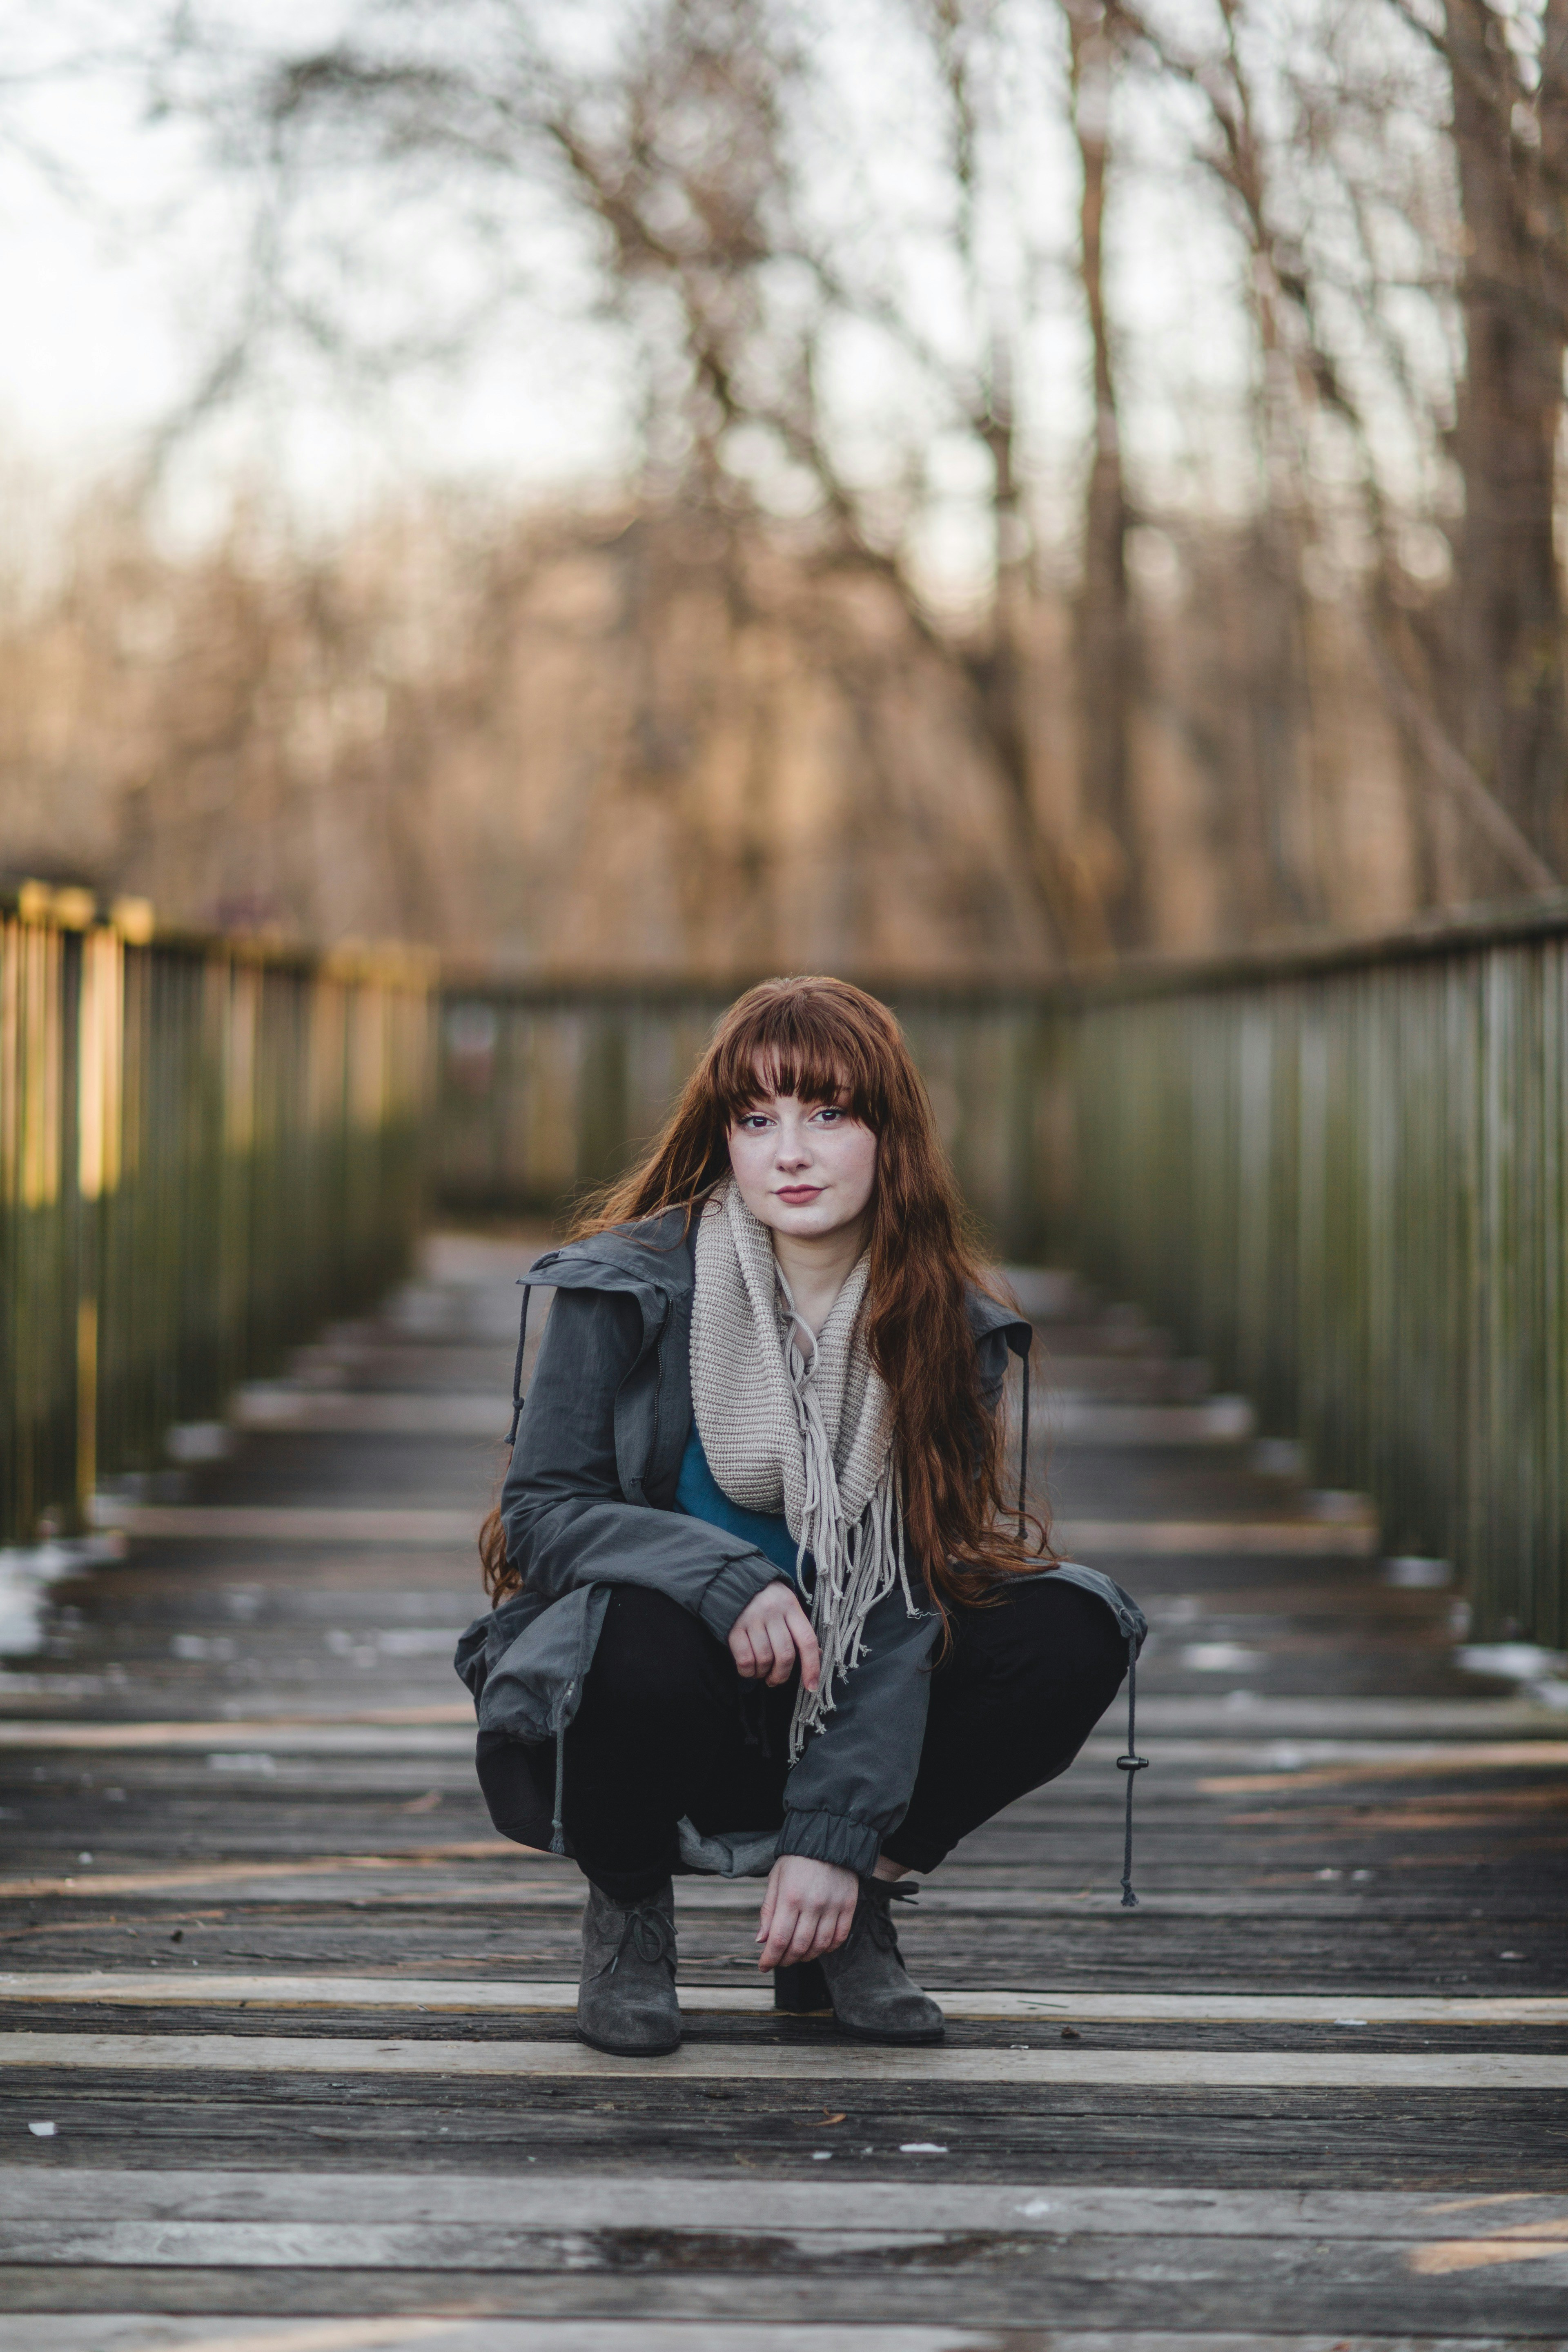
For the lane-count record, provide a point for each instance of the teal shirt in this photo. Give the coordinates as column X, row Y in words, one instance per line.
column 699, row 1494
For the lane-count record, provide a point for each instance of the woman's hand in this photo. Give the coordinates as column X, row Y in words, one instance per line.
column 808, row 1909
column 772, row 1630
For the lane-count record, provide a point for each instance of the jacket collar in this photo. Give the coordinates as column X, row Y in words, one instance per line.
column 653, row 1260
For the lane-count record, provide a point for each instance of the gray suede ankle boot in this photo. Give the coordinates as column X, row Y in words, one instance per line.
column 625, row 2001
column 874, row 1997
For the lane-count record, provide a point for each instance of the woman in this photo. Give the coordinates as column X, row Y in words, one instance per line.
column 757, row 1608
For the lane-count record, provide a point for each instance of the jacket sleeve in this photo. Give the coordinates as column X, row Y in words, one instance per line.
column 853, row 1783
column 567, row 1521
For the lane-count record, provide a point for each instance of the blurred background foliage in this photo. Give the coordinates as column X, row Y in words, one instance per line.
column 937, row 487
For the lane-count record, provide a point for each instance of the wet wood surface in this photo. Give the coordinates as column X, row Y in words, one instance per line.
column 300, row 2022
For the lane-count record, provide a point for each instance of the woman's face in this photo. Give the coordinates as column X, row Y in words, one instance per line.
column 804, row 1169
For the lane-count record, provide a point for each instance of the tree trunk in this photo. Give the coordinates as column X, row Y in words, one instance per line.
column 1106, row 662
column 1509, row 685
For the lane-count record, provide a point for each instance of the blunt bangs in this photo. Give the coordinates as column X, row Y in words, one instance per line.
column 806, row 1046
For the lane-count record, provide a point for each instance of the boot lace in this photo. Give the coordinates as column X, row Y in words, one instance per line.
column 649, row 1935
column 880, row 1898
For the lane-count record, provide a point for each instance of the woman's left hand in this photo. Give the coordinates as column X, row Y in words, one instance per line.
column 808, row 1909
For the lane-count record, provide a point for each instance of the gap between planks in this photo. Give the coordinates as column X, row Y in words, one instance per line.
column 214, row 1989
column 1493, row 2071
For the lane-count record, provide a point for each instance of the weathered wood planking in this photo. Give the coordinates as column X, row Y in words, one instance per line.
column 326, row 1968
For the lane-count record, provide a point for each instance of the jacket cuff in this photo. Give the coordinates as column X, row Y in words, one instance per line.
column 731, row 1586
column 839, row 1838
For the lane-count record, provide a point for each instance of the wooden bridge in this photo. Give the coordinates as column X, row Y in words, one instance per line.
column 286, row 2061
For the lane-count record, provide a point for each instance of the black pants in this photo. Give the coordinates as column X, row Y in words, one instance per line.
column 668, row 1729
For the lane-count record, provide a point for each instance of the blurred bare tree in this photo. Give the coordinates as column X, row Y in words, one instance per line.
column 674, row 146
column 942, row 609
column 1404, row 226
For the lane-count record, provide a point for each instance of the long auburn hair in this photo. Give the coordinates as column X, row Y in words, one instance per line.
column 824, row 1040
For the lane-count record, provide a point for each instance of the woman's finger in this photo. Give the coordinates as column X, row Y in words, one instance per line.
column 762, row 1650
column 785, row 1920
column 804, row 1945
column 803, row 1640
column 742, row 1651
column 783, row 1651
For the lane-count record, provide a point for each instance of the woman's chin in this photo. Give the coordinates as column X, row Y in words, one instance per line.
column 804, row 1220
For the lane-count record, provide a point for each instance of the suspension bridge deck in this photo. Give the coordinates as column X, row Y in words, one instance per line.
column 286, row 2055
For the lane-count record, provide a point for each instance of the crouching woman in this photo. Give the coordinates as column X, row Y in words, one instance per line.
column 759, row 1608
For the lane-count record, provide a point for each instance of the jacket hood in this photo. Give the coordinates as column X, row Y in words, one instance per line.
column 987, row 1314
column 649, row 1257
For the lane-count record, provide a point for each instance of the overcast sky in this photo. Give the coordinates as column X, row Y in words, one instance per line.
column 119, row 251
column 119, row 248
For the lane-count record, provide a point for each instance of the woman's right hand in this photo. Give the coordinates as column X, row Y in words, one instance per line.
column 772, row 1630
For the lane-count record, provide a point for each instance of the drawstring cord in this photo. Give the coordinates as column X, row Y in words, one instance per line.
column 517, row 1369
column 558, row 1827
column 1131, row 1764
column 1023, row 1449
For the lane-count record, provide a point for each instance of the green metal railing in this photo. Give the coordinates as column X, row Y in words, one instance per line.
column 1343, row 1177
column 1340, row 1174
column 206, row 1148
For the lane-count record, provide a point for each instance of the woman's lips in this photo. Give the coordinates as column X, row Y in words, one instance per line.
column 798, row 1195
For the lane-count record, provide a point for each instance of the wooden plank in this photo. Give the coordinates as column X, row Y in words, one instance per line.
column 1461, row 2143
column 445, row 1729
column 1284, row 2294
column 131, row 2332
column 128, row 2332
column 365, row 1524
column 1085, row 1421
column 536, row 2200
column 266, row 1406
column 1257, row 1538
column 1446, row 2070
column 215, row 1988
column 1286, row 1714
column 477, row 2241
column 288, row 1523
column 386, row 1878
column 413, row 1412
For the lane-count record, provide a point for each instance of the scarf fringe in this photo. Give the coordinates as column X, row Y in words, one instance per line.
column 857, row 1564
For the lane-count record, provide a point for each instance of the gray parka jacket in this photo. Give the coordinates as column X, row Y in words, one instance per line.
column 588, row 1503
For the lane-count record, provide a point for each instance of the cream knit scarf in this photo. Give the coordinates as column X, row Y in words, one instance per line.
column 797, row 1422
